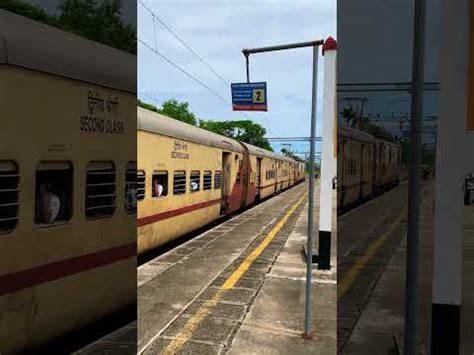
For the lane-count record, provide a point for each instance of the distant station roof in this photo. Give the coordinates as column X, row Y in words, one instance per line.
column 157, row 123
column 37, row 46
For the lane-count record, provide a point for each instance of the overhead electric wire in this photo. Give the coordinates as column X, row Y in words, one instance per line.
column 227, row 83
column 183, row 71
column 185, row 44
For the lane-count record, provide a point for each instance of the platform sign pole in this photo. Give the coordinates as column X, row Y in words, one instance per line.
column 312, row 155
column 328, row 156
column 309, row 252
column 411, row 281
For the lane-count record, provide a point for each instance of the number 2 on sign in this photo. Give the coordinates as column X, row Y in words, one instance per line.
column 258, row 96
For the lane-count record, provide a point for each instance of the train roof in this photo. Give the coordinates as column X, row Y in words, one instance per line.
column 266, row 153
column 353, row 133
column 37, row 46
column 157, row 123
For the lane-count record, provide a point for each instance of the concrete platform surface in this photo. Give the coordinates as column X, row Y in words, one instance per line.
column 239, row 288
column 382, row 317
column 184, row 305
column 275, row 321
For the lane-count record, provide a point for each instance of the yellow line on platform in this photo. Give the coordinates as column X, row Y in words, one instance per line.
column 191, row 325
column 356, row 269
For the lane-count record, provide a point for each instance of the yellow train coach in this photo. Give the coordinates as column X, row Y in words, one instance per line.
column 67, row 136
column 189, row 177
column 366, row 166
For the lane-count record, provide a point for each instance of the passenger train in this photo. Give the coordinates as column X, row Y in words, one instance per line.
column 69, row 130
column 366, row 165
column 202, row 176
column 68, row 122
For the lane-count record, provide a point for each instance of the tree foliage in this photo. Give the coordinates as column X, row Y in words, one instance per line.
column 242, row 130
column 28, row 10
column 364, row 124
column 99, row 21
column 147, row 106
column 174, row 109
column 288, row 153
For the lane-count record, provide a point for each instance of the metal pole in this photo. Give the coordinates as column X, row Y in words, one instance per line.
column 312, row 149
column 411, row 286
column 309, row 253
column 247, row 65
column 283, row 47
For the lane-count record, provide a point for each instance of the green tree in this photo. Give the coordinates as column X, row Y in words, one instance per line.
column 97, row 21
column 241, row 130
column 288, row 153
column 28, row 10
column 350, row 116
column 147, row 106
column 178, row 110
column 100, row 21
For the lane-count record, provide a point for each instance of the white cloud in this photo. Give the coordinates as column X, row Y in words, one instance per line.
column 218, row 31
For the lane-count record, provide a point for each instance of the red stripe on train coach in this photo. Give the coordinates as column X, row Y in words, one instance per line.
column 173, row 213
column 22, row 279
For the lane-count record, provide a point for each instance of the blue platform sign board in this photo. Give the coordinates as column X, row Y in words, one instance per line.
column 249, row 96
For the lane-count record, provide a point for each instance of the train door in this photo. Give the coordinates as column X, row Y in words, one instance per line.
column 258, row 178
column 342, row 183
column 225, row 191
column 245, row 171
column 275, row 164
column 361, row 165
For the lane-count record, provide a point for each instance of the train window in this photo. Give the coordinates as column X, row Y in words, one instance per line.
column 390, row 155
column 100, row 189
column 179, row 183
column 53, row 193
column 238, row 178
column 159, row 184
column 140, row 185
column 207, row 180
column 195, row 181
column 217, row 179
column 9, row 180
column 131, row 188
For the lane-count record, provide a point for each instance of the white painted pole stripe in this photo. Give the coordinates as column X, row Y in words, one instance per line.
column 452, row 160
column 328, row 159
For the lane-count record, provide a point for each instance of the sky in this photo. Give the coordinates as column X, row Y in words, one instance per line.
column 376, row 39
column 218, row 30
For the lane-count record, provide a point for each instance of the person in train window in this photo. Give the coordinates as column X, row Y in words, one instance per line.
column 131, row 193
column 194, row 186
column 157, row 189
column 50, row 204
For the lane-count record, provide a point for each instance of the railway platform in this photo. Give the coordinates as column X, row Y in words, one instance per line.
column 373, row 276
column 238, row 288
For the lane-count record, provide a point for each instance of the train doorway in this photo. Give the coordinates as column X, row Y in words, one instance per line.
column 225, row 191
column 258, row 177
